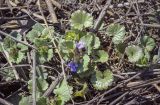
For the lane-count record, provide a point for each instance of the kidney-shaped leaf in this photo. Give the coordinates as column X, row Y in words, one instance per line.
column 81, row 19
column 64, row 91
column 117, row 31
column 102, row 56
column 134, row 53
column 101, row 80
column 148, row 43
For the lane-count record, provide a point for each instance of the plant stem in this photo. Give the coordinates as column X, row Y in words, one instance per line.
column 34, row 78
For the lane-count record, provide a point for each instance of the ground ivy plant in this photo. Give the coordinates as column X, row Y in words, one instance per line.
column 81, row 52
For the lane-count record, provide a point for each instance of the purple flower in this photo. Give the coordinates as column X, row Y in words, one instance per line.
column 73, row 66
column 80, row 45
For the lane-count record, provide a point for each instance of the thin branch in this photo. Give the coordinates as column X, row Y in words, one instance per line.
column 4, row 102
column 52, row 86
column 55, row 3
column 34, row 78
column 125, row 4
column 117, row 99
column 101, row 16
column 51, row 10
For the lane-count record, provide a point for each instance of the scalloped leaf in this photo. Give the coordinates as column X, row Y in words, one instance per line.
column 32, row 35
column 117, row 31
column 148, row 43
column 63, row 91
column 81, row 19
column 67, row 46
column 45, row 54
column 66, row 53
column 84, row 66
column 101, row 80
column 47, row 33
column 26, row 100
column 101, row 56
column 42, row 85
column 134, row 53
column 9, row 43
column 87, row 39
column 16, row 56
column 38, row 27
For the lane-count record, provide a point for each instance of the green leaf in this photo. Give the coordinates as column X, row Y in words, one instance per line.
column 50, row 54
column 121, row 47
column 8, row 74
column 86, row 60
column 144, row 61
column 42, row 84
column 101, row 56
column 42, row 72
column 83, row 67
column 21, row 56
column 42, row 101
column 47, row 33
column 66, row 53
column 26, row 100
column 117, row 31
column 82, row 92
column 134, row 53
column 71, row 35
column 38, row 27
column 22, row 47
column 87, row 39
column 63, row 91
column 44, row 54
column 9, row 43
column 155, row 59
column 41, row 42
column 67, row 46
column 16, row 35
column 81, row 19
column 33, row 35
column 16, row 56
column 148, row 43
column 96, row 42
column 101, row 81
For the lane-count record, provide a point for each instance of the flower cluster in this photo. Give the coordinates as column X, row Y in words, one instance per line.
column 80, row 45
column 73, row 66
